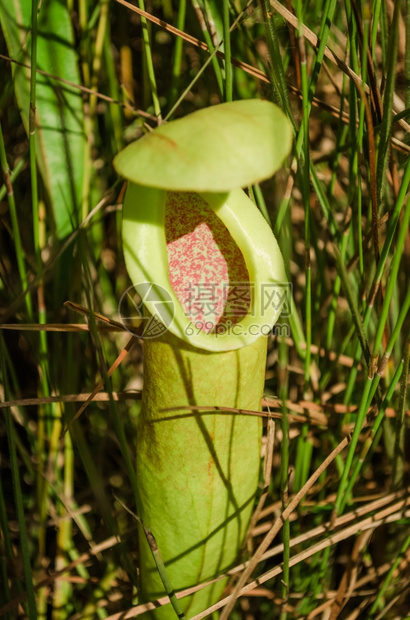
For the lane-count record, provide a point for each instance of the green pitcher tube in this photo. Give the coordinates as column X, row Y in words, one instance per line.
column 204, row 261
column 197, row 471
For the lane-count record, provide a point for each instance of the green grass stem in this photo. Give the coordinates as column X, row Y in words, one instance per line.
column 390, row 73
column 201, row 12
column 6, row 554
column 276, row 68
column 392, row 280
column 368, row 443
column 8, row 186
column 149, row 62
column 399, row 444
column 260, row 201
column 389, row 577
column 44, row 427
column 341, row 497
column 284, row 473
column 376, row 12
column 177, row 60
column 357, row 320
column 13, row 175
column 407, row 59
column 372, row 442
column 159, row 562
column 18, row 497
column 227, row 50
column 98, row 52
column 305, row 183
column 32, row 133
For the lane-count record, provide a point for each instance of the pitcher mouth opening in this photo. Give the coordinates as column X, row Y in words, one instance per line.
column 207, row 270
column 218, row 304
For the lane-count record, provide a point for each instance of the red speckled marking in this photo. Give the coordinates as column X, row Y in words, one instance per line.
column 206, row 268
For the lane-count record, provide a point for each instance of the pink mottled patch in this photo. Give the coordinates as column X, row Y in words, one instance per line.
column 206, row 268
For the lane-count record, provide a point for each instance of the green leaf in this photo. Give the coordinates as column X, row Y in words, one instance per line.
column 216, row 149
column 60, row 136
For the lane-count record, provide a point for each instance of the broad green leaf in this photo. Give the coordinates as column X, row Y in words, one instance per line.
column 216, row 149
column 60, row 137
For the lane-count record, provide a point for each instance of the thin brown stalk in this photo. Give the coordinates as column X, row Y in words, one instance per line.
column 70, row 398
